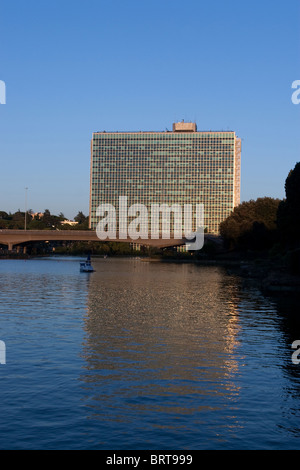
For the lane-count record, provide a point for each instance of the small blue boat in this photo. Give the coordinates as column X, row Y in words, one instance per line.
column 86, row 266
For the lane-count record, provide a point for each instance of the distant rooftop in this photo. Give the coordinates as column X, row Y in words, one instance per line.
column 184, row 126
column 181, row 126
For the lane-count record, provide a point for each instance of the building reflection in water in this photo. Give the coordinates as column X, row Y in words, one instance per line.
column 160, row 343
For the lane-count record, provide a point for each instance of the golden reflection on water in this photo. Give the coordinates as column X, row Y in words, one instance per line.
column 157, row 331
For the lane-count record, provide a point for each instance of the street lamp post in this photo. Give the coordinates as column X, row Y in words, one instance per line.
column 25, row 208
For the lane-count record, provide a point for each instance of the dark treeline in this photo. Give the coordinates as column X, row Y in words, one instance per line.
column 41, row 221
column 268, row 227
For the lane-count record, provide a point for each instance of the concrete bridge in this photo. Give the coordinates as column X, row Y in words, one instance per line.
column 18, row 237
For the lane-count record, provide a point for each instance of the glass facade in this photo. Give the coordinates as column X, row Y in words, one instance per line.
column 179, row 167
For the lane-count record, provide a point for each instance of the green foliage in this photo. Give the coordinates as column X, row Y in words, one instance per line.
column 293, row 261
column 251, row 225
column 4, row 215
column 50, row 222
column 46, row 221
column 288, row 215
column 81, row 219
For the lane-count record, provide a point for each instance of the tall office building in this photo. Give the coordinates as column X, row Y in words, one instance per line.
column 182, row 166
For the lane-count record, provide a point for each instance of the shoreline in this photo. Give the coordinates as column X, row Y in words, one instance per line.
column 268, row 275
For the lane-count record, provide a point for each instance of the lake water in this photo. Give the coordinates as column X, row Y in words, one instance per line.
column 141, row 355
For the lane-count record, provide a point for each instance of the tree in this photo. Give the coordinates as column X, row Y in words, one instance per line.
column 80, row 218
column 83, row 221
column 251, row 225
column 288, row 214
column 3, row 215
column 50, row 221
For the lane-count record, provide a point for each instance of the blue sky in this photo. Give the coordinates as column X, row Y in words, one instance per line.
column 75, row 67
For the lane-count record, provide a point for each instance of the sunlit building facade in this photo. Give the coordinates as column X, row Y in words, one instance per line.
column 182, row 166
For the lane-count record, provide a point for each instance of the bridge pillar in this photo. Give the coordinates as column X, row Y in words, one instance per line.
column 10, row 246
